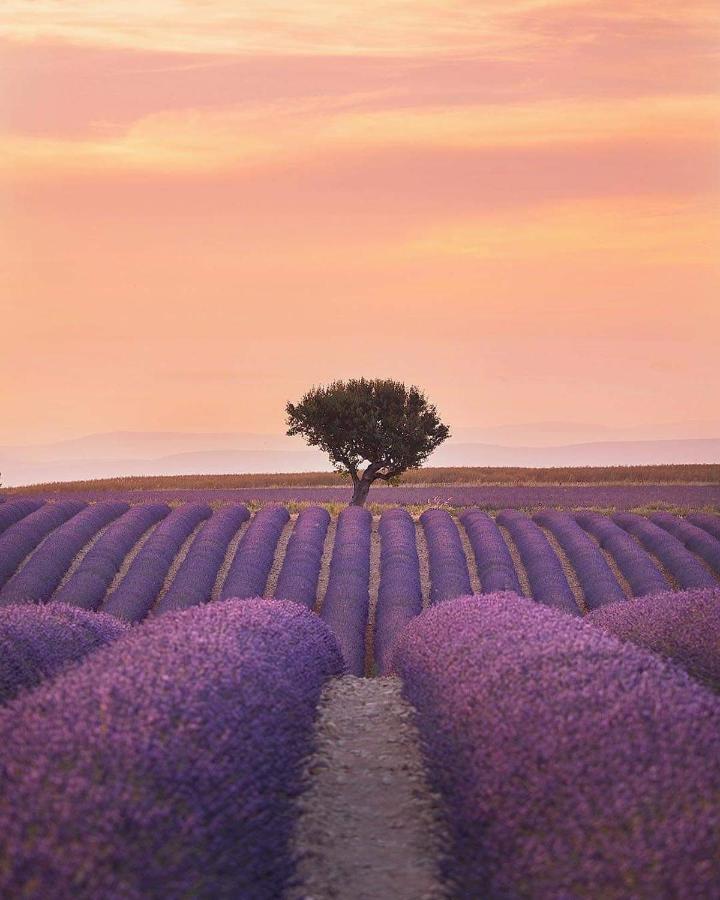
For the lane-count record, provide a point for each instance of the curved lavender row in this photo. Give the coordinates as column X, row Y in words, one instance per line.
column 449, row 576
column 87, row 586
column 185, row 790
column 682, row 625
column 681, row 564
column 492, row 558
column 548, row 583
column 134, row 596
column 596, row 578
column 301, row 566
column 193, row 584
column 640, row 572
column 43, row 572
column 400, row 594
column 571, row 764
column 253, row 560
column 347, row 599
column 708, row 523
column 37, row 642
column 12, row 511
column 695, row 539
column 23, row 537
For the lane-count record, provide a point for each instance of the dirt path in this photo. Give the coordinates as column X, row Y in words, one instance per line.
column 369, row 825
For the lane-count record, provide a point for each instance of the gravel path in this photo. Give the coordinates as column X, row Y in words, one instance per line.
column 369, row 826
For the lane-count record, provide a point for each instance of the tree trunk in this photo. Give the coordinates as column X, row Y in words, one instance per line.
column 362, row 486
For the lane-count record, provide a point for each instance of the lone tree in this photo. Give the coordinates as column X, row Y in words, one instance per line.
column 379, row 422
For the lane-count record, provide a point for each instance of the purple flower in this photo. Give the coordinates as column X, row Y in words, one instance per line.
column 495, row 567
column 166, row 764
column 301, row 566
column 253, row 560
column 570, row 764
column 449, row 575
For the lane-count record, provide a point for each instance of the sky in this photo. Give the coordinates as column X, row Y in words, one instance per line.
column 207, row 206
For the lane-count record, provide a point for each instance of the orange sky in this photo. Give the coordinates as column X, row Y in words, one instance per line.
column 209, row 206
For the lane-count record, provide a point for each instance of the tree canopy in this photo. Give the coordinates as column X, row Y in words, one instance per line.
column 377, row 423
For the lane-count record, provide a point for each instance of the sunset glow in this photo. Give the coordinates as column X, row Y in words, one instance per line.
column 208, row 206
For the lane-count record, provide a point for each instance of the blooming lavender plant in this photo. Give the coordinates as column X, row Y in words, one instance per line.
column 300, row 570
column 249, row 570
column 682, row 565
column 548, row 583
column 195, row 579
column 399, row 595
column 12, row 511
column 492, row 558
column 681, row 625
column 449, row 576
column 696, row 539
column 23, row 537
column 570, row 764
column 37, row 642
column 89, row 583
column 36, row 581
column 346, row 604
column 166, row 765
column 708, row 523
column 596, row 578
column 133, row 598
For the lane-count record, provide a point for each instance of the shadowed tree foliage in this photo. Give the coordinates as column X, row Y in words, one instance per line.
column 379, row 423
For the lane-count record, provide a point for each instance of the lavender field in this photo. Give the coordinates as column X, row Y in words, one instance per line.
column 166, row 664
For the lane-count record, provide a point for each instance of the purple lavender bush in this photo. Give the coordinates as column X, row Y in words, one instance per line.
column 23, row 537
column 166, row 764
column 596, row 578
column 570, row 764
column 495, row 567
column 12, row 511
column 249, row 570
column 681, row 625
column 638, row 569
column 193, row 584
column 695, row 539
column 300, row 570
column 89, row 583
column 680, row 563
column 133, row 598
column 399, row 594
column 707, row 522
column 36, row 581
column 449, row 576
column 37, row 642
column 548, row 583
column 346, row 604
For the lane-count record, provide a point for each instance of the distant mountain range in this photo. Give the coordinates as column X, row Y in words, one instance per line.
column 178, row 453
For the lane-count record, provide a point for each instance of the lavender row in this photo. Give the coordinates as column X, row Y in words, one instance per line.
column 300, row 570
column 638, row 569
column 37, row 642
column 696, row 539
column 87, row 585
column 249, row 570
column 182, row 790
column 36, row 581
column 679, row 562
column 23, row 537
column 548, row 583
column 708, row 523
column 488, row 497
column 583, row 767
column 346, row 605
column 449, row 576
column 399, row 594
column 133, row 598
column 493, row 561
column 596, row 578
column 193, row 584
column 681, row 625
column 12, row 511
